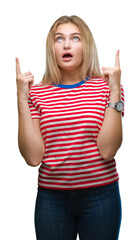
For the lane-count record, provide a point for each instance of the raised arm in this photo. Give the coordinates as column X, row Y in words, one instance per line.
column 30, row 140
column 110, row 136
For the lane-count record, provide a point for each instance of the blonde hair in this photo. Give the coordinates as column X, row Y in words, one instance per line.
column 90, row 65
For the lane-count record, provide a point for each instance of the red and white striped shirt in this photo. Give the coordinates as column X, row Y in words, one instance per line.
column 71, row 117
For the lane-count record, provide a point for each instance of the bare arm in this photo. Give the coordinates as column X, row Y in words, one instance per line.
column 110, row 136
column 30, row 139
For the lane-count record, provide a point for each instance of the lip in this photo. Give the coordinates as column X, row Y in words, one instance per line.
column 67, row 58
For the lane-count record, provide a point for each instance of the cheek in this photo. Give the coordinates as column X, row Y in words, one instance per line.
column 57, row 49
column 57, row 52
column 80, row 53
column 79, row 49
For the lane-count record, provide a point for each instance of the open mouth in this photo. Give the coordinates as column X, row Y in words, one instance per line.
column 67, row 55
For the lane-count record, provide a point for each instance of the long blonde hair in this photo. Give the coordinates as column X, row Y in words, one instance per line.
column 90, row 66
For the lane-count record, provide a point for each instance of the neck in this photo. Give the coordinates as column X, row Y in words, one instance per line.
column 71, row 77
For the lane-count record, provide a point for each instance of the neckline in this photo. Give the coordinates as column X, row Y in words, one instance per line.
column 71, row 85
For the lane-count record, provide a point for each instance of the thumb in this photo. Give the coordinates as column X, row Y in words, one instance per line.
column 18, row 70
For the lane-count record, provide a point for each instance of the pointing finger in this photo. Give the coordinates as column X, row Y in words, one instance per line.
column 18, row 70
column 117, row 61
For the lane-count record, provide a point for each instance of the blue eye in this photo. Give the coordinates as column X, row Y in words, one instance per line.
column 76, row 39
column 59, row 39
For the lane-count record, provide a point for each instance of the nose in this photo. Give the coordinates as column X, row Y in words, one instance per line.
column 67, row 44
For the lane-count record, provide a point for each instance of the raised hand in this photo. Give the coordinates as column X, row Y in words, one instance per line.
column 24, row 82
column 113, row 74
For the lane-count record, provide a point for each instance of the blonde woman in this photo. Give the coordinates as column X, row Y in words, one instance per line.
column 71, row 125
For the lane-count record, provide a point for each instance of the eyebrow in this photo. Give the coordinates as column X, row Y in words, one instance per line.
column 70, row 34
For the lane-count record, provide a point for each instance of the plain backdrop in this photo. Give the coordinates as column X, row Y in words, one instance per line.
column 24, row 26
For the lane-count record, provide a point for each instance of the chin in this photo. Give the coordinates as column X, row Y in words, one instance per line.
column 70, row 67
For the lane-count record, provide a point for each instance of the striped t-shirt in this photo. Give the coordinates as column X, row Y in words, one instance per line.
column 71, row 117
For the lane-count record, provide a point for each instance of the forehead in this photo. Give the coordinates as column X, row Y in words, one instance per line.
column 67, row 28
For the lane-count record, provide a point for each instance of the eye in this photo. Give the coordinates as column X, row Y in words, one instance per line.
column 76, row 39
column 59, row 39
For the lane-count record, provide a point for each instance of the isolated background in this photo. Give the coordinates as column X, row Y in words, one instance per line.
column 24, row 28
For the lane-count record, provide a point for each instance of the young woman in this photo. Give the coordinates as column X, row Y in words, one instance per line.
column 71, row 124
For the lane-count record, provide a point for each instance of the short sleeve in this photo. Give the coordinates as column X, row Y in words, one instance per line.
column 122, row 99
column 33, row 110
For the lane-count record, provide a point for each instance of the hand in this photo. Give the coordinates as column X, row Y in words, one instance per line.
column 113, row 75
column 24, row 82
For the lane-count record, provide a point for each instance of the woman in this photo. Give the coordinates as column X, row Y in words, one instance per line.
column 71, row 124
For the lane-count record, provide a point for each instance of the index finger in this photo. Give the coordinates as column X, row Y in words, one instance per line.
column 117, row 60
column 18, row 70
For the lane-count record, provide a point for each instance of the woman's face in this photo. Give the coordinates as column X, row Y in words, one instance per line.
column 68, row 47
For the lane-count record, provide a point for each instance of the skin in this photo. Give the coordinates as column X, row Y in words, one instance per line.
column 68, row 40
column 110, row 136
column 30, row 139
column 113, row 74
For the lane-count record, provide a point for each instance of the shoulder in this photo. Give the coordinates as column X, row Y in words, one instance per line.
column 98, row 82
column 38, row 88
column 37, row 85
